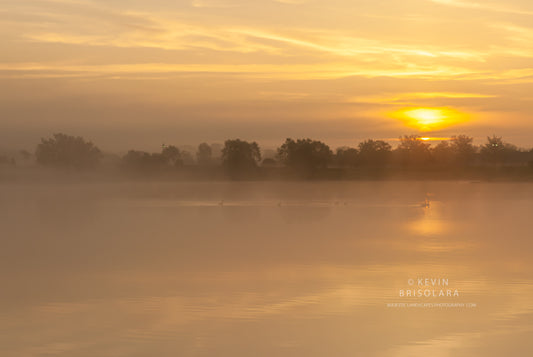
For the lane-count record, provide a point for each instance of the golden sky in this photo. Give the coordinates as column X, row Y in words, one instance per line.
column 132, row 73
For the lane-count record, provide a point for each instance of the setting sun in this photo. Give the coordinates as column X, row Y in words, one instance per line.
column 426, row 116
column 427, row 119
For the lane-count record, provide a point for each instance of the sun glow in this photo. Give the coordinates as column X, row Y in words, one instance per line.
column 427, row 119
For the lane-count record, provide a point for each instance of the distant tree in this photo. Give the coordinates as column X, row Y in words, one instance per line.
column 171, row 156
column 413, row 151
column 187, row 157
column 134, row 158
column 204, row 155
column 305, row 155
column 496, row 151
column 240, row 157
column 374, row 153
column 67, row 151
column 463, row 149
column 443, row 153
column 346, row 156
column 144, row 161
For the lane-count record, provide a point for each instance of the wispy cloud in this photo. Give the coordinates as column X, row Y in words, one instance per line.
column 483, row 6
column 136, row 29
column 214, row 3
column 296, row 71
column 403, row 98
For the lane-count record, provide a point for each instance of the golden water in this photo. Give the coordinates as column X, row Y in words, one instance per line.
column 266, row 269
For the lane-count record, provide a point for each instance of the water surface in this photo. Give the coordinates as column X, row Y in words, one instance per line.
column 265, row 269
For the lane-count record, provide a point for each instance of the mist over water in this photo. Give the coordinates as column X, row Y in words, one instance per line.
column 265, row 269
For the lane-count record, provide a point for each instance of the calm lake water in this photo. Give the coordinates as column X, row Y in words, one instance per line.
column 266, row 269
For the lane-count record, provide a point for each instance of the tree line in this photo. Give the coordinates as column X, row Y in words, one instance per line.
column 240, row 158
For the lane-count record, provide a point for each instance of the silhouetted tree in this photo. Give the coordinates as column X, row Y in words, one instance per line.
column 171, row 155
column 346, row 156
column 67, row 151
column 463, row 149
column 374, row 153
column 496, row 151
column 304, row 155
column 187, row 157
column 413, row 151
column 144, row 161
column 204, row 154
column 240, row 158
column 443, row 153
column 493, row 150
